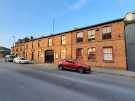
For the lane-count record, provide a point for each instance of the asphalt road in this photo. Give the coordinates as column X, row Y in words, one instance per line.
column 24, row 83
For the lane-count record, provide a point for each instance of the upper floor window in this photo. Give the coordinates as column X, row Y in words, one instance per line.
column 91, row 35
column 32, row 44
column 92, row 53
column 50, row 42
column 107, row 33
column 108, row 54
column 79, row 37
column 38, row 43
column 63, row 40
column 26, row 45
column 17, row 50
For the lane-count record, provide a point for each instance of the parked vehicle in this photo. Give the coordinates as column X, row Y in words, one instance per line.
column 74, row 65
column 21, row 60
column 9, row 58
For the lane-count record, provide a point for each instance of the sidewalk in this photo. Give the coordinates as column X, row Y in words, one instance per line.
column 114, row 72
column 95, row 70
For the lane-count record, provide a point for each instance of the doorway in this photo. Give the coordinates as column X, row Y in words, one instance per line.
column 49, row 56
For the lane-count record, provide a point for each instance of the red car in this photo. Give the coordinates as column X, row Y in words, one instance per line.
column 73, row 65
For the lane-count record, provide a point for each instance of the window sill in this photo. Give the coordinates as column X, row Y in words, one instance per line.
column 79, row 42
column 92, row 60
column 108, row 61
column 91, row 40
column 107, row 39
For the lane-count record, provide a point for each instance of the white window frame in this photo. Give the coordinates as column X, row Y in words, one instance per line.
column 92, row 50
column 79, row 35
column 91, row 34
column 63, row 54
column 50, row 43
column 108, row 53
column 63, row 39
column 106, row 30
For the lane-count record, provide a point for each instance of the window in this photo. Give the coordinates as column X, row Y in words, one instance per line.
column 108, row 54
column 91, row 35
column 32, row 44
column 38, row 43
column 92, row 53
column 107, row 31
column 63, row 40
column 63, row 54
column 27, row 46
column 79, row 37
column 49, row 42
column 79, row 52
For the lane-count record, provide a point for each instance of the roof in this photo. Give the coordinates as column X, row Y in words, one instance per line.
column 4, row 49
column 91, row 26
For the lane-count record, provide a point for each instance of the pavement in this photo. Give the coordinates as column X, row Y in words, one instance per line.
column 115, row 72
column 37, row 82
column 94, row 69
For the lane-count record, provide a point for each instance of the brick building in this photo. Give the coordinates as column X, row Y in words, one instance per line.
column 101, row 45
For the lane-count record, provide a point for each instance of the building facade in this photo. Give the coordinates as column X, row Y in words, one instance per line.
column 101, row 45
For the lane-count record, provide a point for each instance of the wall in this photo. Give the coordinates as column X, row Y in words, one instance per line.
column 39, row 46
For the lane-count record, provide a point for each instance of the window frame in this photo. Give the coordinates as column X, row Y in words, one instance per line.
column 79, row 39
column 49, row 42
column 63, row 54
column 107, row 33
column 112, row 60
column 91, row 34
column 39, row 44
column 63, row 40
column 79, row 56
column 93, row 52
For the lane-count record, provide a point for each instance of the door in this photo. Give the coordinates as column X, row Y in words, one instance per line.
column 49, row 56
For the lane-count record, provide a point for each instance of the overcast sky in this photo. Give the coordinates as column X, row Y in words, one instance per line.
column 20, row 18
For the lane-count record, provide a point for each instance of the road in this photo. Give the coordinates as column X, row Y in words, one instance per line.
column 24, row 83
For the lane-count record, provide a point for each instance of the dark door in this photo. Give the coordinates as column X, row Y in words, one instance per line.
column 49, row 56
column 130, row 46
column 32, row 56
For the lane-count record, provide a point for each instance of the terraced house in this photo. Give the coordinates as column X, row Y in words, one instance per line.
column 101, row 45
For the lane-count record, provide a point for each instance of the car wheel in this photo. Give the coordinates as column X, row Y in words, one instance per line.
column 61, row 67
column 81, row 70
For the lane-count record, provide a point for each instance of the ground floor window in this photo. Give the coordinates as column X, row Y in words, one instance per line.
column 108, row 53
column 79, row 52
column 63, row 54
column 92, row 53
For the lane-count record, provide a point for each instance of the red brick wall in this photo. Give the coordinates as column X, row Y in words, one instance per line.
column 117, row 42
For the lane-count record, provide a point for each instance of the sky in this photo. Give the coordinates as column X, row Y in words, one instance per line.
column 25, row 18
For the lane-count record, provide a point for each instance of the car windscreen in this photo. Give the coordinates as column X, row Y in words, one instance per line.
column 12, row 56
column 22, row 59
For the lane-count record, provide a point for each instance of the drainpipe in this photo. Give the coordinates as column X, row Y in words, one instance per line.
column 71, row 46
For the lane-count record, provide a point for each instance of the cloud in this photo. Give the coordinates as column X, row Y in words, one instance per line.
column 78, row 4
